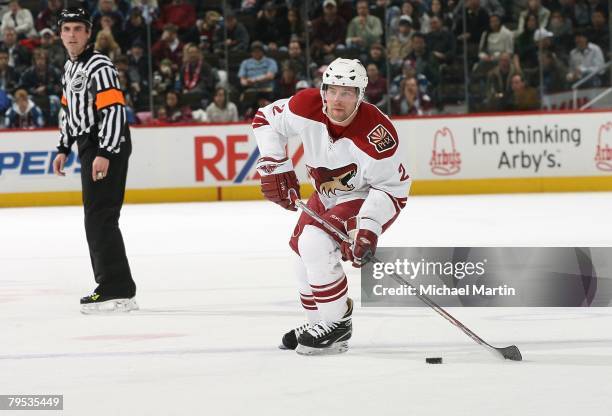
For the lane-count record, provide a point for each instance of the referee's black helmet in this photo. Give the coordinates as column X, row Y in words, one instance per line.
column 74, row 14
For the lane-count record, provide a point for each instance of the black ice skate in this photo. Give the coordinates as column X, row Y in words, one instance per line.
column 289, row 341
column 96, row 303
column 327, row 337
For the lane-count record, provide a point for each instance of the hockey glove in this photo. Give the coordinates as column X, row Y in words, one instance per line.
column 362, row 245
column 277, row 178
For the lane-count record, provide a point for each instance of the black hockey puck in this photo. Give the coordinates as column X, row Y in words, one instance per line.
column 433, row 360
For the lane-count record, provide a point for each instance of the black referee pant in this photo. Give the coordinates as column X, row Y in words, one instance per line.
column 102, row 202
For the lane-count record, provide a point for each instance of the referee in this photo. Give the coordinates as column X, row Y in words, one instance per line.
column 94, row 116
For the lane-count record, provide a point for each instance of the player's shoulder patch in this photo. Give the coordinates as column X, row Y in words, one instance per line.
column 373, row 132
column 307, row 103
column 381, row 139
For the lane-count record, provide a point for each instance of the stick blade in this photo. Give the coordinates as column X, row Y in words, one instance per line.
column 511, row 353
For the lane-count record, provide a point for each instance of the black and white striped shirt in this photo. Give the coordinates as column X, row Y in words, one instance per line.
column 92, row 103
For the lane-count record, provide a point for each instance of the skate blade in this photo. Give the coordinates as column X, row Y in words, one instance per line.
column 283, row 347
column 336, row 348
column 110, row 307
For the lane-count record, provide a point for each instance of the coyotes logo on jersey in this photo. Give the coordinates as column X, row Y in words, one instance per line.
column 329, row 181
column 381, row 139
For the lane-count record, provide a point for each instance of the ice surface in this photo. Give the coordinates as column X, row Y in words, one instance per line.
column 217, row 292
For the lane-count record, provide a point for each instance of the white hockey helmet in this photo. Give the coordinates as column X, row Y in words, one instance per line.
column 347, row 73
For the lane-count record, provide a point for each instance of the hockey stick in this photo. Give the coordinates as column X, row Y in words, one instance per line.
column 509, row 353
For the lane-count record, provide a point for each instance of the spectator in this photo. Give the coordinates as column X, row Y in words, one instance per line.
column 148, row 8
column 175, row 111
column 496, row 40
column 138, row 66
column 258, row 72
column 526, row 56
column 386, row 12
column 562, row 30
column 378, row 57
column 420, row 19
column 221, row 110
column 296, row 59
column 408, row 9
column 130, row 79
column 585, row 59
column 440, row 41
column 24, row 114
column 489, row 6
column 197, row 77
column 524, row 98
column 438, row 10
column 554, row 73
column 400, row 44
column 20, row 19
column 19, row 56
column 135, row 30
column 407, row 71
column 205, row 30
column 296, row 26
column 534, row 7
column 124, row 83
column 271, row 29
column 476, row 23
column 422, row 61
column 599, row 32
column 55, row 51
column 568, row 9
column 237, row 36
column 285, row 86
column 543, row 40
column 179, row 13
column 411, row 101
column 376, row 91
column 346, row 10
column 164, row 79
column 161, row 117
column 48, row 17
column 106, row 44
column 107, row 24
column 124, row 6
column 499, row 80
column 328, row 32
column 364, row 29
column 168, row 47
column 582, row 13
column 8, row 75
column 41, row 79
column 106, row 8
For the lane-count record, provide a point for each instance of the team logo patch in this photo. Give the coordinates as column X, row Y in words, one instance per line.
column 78, row 82
column 381, row 139
column 329, row 181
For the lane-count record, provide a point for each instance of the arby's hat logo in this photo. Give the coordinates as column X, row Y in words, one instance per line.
column 445, row 159
column 603, row 152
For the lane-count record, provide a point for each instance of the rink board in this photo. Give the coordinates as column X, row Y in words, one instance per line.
column 550, row 152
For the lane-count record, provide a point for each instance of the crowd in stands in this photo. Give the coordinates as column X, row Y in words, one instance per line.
column 211, row 64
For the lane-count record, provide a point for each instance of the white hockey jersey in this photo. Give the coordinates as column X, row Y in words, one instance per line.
column 359, row 161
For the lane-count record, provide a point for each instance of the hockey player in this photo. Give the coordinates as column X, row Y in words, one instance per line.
column 352, row 159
